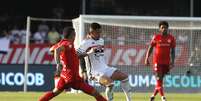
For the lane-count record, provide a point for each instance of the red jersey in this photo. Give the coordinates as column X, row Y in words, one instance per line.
column 69, row 60
column 163, row 45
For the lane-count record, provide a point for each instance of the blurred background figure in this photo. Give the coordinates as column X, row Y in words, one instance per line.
column 195, row 59
column 53, row 36
column 40, row 36
column 14, row 35
column 4, row 41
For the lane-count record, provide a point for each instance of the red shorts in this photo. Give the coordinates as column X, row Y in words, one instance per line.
column 162, row 69
column 67, row 75
column 76, row 84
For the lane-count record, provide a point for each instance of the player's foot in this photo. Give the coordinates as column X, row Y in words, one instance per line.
column 163, row 98
column 152, row 98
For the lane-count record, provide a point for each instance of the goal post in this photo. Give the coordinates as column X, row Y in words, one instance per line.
column 29, row 21
column 127, row 39
column 28, row 25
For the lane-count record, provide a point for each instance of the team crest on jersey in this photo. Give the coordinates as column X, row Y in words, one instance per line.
column 169, row 41
column 70, row 46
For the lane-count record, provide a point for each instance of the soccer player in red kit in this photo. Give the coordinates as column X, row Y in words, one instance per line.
column 68, row 68
column 163, row 58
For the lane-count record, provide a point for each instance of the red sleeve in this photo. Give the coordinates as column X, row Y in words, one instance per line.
column 53, row 47
column 153, row 41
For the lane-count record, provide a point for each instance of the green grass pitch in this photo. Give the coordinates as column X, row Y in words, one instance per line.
column 33, row 96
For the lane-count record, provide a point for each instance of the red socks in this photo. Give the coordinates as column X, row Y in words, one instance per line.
column 47, row 96
column 159, row 88
column 155, row 92
column 100, row 98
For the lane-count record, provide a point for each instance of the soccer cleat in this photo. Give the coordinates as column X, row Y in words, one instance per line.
column 163, row 98
column 152, row 98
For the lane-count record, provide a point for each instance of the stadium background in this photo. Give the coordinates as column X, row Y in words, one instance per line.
column 14, row 13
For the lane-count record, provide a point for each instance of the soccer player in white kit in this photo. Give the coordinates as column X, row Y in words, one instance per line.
column 92, row 48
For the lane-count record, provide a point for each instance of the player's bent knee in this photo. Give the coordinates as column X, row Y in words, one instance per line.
column 124, row 76
column 118, row 75
column 106, row 81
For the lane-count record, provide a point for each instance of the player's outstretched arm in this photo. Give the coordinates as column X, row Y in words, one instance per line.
column 172, row 57
column 57, row 60
column 82, row 54
column 83, row 69
column 149, row 51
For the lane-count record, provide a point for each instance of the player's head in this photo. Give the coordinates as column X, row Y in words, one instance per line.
column 163, row 27
column 95, row 30
column 69, row 33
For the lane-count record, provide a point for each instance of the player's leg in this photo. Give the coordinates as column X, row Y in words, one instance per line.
column 118, row 75
column 159, row 81
column 155, row 92
column 165, row 71
column 86, row 88
column 108, row 83
column 83, row 71
column 158, row 88
column 56, row 91
column 157, row 71
column 160, row 71
column 50, row 94
column 109, row 92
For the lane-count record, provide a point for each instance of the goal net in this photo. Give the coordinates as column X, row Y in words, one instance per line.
column 127, row 39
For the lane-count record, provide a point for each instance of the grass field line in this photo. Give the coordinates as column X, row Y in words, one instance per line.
column 118, row 96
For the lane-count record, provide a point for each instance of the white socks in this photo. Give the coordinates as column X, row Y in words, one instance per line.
column 109, row 93
column 56, row 80
column 126, row 88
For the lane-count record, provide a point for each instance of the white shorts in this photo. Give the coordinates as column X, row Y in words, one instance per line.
column 106, row 72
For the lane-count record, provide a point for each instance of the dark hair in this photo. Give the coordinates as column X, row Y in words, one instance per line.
column 67, row 31
column 95, row 26
column 163, row 23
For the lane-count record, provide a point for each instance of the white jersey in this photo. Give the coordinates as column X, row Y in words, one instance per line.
column 95, row 61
